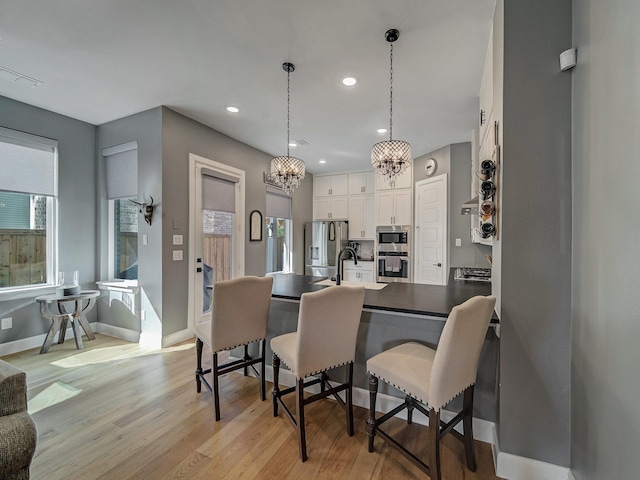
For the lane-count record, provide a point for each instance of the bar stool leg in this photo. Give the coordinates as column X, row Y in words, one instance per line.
column 350, row 429
column 263, row 388
column 276, row 387
column 434, row 445
column 467, row 423
column 371, row 421
column 216, row 393
column 198, row 365
column 300, row 414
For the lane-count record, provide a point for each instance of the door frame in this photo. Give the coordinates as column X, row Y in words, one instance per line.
column 196, row 164
column 445, row 240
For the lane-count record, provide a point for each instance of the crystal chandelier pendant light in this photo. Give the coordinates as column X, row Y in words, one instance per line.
column 287, row 171
column 391, row 157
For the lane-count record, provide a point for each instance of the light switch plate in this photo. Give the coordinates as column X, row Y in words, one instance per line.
column 177, row 239
column 177, row 255
column 458, row 242
column 7, row 323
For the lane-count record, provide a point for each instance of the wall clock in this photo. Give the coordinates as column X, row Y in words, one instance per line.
column 430, row 167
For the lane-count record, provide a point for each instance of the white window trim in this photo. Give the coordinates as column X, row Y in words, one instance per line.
column 27, row 291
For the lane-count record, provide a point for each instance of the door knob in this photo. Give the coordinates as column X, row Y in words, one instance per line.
column 437, row 264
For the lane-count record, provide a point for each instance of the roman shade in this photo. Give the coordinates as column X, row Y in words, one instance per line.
column 218, row 191
column 29, row 164
column 278, row 205
column 122, row 170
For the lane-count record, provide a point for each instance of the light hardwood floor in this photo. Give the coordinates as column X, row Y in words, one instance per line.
column 126, row 412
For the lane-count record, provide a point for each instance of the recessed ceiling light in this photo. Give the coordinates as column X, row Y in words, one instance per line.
column 232, row 109
column 382, row 130
column 322, row 161
column 349, row 81
column 293, row 144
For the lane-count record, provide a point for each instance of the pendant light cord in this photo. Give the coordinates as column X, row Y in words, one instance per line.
column 288, row 102
column 391, row 93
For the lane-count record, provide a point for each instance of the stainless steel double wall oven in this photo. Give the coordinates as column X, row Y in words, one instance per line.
column 393, row 250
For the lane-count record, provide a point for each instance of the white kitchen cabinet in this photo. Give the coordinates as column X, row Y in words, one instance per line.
column 405, row 180
column 330, row 185
column 333, row 208
column 362, row 224
column 361, row 182
column 394, row 207
column 363, row 272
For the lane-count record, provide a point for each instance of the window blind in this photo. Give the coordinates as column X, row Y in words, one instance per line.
column 122, row 170
column 218, row 193
column 278, row 205
column 29, row 164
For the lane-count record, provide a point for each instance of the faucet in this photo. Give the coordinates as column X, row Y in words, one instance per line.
column 353, row 253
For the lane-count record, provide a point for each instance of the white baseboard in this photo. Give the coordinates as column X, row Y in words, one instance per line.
column 117, row 332
column 177, row 337
column 514, row 467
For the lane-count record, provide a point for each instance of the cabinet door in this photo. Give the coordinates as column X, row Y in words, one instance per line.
column 339, row 208
column 351, row 275
column 356, row 218
column 369, row 220
column 339, row 184
column 322, row 186
column 403, row 202
column 384, row 208
column 366, row 277
column 361, row 182
column 322, row 209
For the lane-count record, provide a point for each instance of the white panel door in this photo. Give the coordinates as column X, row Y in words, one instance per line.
column 431, row 231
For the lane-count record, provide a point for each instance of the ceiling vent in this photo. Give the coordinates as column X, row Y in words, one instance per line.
column 301, row 141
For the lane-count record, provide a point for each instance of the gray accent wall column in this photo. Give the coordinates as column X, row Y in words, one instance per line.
column 534, row 251
column 606, row 258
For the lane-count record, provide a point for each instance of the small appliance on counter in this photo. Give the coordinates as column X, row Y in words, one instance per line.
column 473, row 274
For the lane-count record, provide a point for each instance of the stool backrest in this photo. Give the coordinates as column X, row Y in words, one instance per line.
column 456, row 361
column 240, row 311
column 327, row 328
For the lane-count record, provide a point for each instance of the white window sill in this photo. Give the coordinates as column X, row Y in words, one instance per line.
column 26, row 292
column 126, row 286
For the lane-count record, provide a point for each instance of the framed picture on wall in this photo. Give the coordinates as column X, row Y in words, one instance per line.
column 255, row 226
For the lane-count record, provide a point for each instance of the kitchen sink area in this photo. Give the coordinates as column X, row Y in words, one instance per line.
column 368, row 286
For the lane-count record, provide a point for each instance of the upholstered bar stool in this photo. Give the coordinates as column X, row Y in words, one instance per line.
column 328, row 323
column 434, row 378
column 239, row 317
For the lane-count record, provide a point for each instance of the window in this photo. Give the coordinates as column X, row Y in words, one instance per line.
column 27, row 210
column 278, row 232
column 122, row 186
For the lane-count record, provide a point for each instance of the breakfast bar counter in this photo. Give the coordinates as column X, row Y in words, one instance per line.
column 398, row 313
column 406, row 298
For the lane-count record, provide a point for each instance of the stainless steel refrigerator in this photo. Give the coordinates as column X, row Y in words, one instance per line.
column 322, row 242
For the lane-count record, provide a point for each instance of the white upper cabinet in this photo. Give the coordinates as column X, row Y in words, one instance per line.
column 404, row 180
column 362, row 217
column 335, row 208
column 361, row 182
column 394, row 207
column 330, row 185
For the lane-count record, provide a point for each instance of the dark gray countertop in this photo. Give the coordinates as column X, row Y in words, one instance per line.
column 412, row 298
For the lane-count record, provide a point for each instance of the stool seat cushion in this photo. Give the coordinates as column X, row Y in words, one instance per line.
column 406, row 367
column 203, row 332
column 284, row 346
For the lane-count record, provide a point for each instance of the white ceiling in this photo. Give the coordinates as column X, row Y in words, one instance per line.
column 104, row 60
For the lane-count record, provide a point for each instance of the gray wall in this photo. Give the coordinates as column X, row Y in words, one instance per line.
column 145, row 128
column 605, row 313
column 535, row 247
column 181, row 136
column 76, row 205
column 455, row 160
